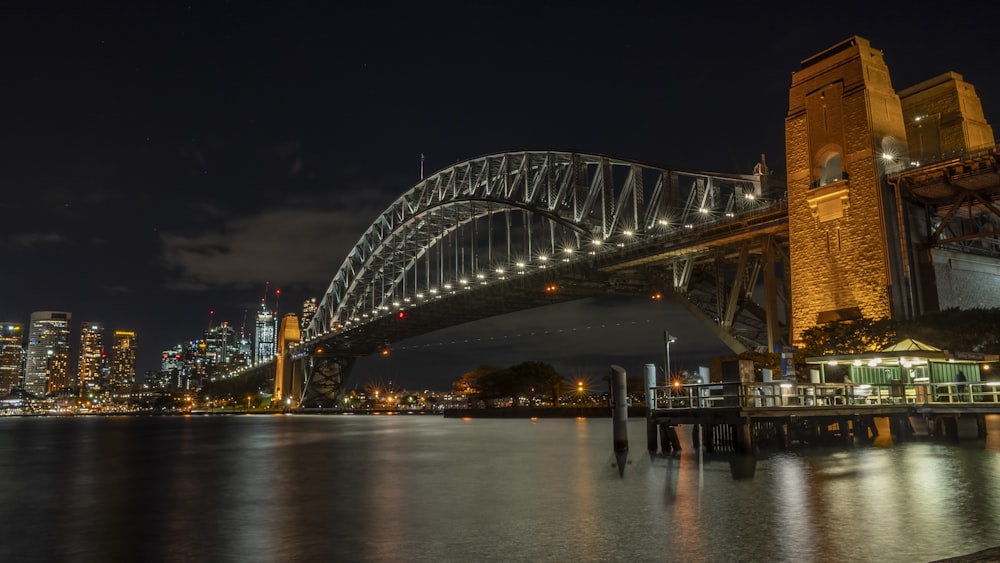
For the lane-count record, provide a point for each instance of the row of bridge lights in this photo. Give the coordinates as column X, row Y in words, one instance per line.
column 482, row 278
column 521, row 268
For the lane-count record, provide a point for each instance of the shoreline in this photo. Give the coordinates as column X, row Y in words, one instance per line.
column 541, row 412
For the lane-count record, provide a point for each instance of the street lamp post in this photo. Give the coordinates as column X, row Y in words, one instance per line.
column 667, row 339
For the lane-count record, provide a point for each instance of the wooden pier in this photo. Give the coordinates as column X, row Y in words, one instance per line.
column 742, row 416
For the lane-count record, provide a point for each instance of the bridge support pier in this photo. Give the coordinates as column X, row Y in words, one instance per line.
column 325, row 379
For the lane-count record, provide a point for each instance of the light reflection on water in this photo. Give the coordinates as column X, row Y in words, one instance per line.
column 424, row 488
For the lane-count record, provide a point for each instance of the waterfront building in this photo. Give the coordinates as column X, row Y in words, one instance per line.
column 123, row 349
column 47, row 362
column 11, row 357
column 88, row 370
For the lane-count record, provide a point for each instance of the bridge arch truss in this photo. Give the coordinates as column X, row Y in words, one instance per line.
column 482, row 225
column 500, row 215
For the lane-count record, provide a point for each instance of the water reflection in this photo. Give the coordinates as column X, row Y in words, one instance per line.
column 240, row 488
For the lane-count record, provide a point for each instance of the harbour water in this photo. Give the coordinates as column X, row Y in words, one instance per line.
column 427, row 488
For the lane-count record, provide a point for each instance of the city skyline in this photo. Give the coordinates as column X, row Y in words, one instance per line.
column 208, row 154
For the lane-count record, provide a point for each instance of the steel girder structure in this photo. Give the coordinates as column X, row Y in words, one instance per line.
column 961, row 200
column 498, row 220
column 732, row 275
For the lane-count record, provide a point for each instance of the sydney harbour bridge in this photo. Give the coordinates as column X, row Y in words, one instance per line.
column 518, row 230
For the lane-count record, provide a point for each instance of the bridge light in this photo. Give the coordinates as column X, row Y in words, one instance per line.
column 663, row 222
column 629, row 233
column 702, row 210
column 657, row 296
column 520, row 264
column 500, row 270
column 543, row 258
column 568, row 250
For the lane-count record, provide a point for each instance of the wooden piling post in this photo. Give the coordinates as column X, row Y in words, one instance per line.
column 651, row 427
column 619, row 416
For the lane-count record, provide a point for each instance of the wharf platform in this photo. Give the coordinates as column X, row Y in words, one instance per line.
column 742, row 415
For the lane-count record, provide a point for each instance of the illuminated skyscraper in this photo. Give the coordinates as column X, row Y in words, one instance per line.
column 173, row 368
column 11, row 356
column 266, row 335
column 309, row 309
column 88, row 370
column 220, row 348
column 123, row 349
column 47, row 361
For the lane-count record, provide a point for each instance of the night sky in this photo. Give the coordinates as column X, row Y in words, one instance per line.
column 159, row 161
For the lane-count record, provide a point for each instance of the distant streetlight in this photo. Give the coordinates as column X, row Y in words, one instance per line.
column 667, row 339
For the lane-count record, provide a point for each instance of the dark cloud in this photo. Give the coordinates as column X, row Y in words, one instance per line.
column 35, row 239
column 291, row 246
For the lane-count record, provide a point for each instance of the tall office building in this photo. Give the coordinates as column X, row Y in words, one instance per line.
column 47, row 362
column 123, row 348
column 220, row 348
column 88, row 371
column 309, row 308
column 173, row 368
column 11, row 356
column 266, row 335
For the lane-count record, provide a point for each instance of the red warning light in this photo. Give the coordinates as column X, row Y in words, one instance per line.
column 400, row 314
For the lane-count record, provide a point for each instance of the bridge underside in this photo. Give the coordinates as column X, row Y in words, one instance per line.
column 961, row 199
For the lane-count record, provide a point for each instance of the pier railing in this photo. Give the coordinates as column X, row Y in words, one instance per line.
column 797, row 394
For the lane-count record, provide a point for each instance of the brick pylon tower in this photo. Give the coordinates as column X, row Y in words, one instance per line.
column 843, row 134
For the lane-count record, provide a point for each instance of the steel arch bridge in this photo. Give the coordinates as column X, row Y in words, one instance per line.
column 517, row 230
